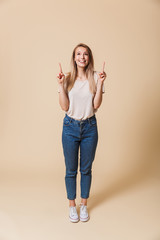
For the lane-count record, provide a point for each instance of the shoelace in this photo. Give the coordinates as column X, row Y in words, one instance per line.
column 83, row 207
column 73, row 210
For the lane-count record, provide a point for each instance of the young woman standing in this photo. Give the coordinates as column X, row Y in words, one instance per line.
column 80, row 95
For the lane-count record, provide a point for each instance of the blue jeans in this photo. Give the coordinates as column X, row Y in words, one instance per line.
column 77, row 134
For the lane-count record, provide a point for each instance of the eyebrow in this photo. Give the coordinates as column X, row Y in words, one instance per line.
column 80, row 51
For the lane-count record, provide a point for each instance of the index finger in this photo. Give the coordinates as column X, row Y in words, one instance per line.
column 103, row 66
column 60, row 67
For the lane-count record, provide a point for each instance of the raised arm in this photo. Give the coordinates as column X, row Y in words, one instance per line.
column 63, row 96
column 98, row 96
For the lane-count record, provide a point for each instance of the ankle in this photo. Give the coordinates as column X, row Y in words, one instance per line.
column 72, row 203
column 84, row 201
column 85, row 204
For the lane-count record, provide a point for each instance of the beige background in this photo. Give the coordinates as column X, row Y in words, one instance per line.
column 125, row 193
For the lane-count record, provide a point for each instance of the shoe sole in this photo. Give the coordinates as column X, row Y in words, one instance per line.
column 84, row 219
column 74, row 220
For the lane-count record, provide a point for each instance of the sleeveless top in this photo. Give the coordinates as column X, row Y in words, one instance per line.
column 81, row 99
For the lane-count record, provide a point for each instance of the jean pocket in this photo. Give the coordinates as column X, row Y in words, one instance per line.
column 67, row 122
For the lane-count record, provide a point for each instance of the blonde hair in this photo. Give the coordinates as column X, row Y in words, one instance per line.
column 89, row 70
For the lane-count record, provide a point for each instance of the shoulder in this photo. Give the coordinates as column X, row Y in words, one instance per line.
column 65, row 74
column 95, row 74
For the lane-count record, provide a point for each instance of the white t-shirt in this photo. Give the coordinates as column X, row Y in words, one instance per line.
column 81, row 99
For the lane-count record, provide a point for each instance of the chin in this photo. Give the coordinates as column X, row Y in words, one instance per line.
column 82, row 66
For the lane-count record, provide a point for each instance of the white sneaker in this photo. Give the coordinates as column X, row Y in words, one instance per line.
column 73, row 215
column 83, row 213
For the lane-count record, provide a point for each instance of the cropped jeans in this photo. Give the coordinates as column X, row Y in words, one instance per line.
column 83, row 135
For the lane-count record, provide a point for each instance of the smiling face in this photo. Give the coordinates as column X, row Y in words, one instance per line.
column 81, row 57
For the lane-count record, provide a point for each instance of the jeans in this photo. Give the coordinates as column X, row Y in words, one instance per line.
column 83, row 135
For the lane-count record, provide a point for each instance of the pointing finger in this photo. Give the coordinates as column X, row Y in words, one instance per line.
column 60, row 67
column 103, row 66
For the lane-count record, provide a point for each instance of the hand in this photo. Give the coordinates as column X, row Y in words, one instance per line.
column 102, row 75
column 60, row 76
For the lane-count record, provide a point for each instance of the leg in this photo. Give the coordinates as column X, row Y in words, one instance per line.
column 84, row 201
column 72, row 203
column 88, row 146
column 70, row 150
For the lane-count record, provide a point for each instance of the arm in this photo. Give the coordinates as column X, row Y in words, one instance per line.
column 98, row 96
column 63, row 98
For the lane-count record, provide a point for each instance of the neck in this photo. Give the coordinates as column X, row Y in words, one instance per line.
column 81, row 72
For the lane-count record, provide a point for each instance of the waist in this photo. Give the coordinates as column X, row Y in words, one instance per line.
column 80, row 121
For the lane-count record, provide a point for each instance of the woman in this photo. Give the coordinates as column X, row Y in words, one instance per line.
column 80, row 95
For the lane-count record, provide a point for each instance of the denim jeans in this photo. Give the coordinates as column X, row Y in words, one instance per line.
column 83, row 135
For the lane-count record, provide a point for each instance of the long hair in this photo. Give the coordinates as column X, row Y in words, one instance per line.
column 89, row 70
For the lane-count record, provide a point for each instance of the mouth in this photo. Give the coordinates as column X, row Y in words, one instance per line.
column 82, row 61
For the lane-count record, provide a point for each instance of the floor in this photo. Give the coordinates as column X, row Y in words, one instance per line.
column 35, row 207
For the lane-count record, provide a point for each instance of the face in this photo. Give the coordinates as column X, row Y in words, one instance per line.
column 81, row 57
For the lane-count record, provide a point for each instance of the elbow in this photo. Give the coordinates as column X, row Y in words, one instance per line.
column 96, row 107
column 64, row 105
column 97, row 104
column 65, row 108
